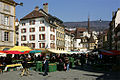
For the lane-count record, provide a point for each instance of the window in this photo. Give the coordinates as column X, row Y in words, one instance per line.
column 6, row 36
column 42, row 28
column 32, row 29
column 32, row 22
column 32, row 45
column 52, row 45
column 52, row 29
column 23, row 38
column 52, row 37
column 42, row 37
column 41, row 21
column 32, row 37
column 6, row 7
column 23, row 30
column 6, row 20
column 57, row 42
column 42, row 45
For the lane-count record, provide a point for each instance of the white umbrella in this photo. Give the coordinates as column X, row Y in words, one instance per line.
column 2, row 55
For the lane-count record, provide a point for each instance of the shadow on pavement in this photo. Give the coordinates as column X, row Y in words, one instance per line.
column 107, row 75
column 40, row 73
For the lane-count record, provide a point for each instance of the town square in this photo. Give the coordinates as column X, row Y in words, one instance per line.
column 59, row 40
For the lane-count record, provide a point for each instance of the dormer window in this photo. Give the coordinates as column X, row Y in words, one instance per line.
column 41, row 21
column 32, row 22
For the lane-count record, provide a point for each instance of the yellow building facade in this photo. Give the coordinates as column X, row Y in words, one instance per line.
column 60, row 37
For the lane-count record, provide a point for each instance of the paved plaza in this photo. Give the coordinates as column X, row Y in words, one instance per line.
column 73, row 74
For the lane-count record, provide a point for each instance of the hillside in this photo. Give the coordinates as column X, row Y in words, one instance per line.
column 94, row 25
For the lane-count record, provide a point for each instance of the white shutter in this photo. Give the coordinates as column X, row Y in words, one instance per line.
column 11, row 36
column 2, row 19
column 2, row 35
column 11, row 21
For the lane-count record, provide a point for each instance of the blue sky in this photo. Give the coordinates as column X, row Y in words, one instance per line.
column 72, row 10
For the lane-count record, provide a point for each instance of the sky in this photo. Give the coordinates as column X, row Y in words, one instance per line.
column 72, row 10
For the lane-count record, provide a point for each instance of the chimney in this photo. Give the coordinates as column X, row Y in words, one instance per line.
column 45, row 7
column 36, row 8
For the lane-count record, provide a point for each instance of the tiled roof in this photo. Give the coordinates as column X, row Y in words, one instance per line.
column 33, row 14
column 8, row 1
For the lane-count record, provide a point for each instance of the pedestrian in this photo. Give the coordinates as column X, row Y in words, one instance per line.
column 67, row 63
column 45, row 66
column 25, row 66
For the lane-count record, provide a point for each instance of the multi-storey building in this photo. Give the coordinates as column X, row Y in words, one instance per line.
column 16, row 32
column 38, row 29
column 69, row 40
column 85, row 40
column 112, row 37
column 7, row 23
column 80, row 42
column 60, row 37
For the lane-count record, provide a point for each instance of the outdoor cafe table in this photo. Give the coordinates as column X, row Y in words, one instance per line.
column 12, row 65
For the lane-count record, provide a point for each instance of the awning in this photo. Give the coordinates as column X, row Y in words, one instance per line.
column 35, row 51
column 20, row 48
column 2, row 55
column 57, row 51
column 112, row 52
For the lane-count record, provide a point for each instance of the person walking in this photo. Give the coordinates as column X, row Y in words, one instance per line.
column 25, row 66
column 45, row 66
column 67, row 63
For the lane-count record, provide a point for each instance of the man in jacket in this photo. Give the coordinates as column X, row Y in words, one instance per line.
column 45, row 66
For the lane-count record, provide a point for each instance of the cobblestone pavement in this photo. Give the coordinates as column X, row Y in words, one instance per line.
column 73, row 74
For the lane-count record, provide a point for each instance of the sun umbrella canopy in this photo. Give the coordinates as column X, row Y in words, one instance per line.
column 2, row 55
column 20, row 48
column 35, row 51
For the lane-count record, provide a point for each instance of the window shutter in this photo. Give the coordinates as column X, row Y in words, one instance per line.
column 53, row 29
column 40, row 45
column 33, row 21
column 50, row 36
column 53, row 37
column 34, row 29
column 2, row 35
column 44, row 36
column 33, row 37
column 25, row 30
column 34, row 45
column 40, row 37
column 25, row 38
column 21, row 38
column 43, row 45
column 39, row 28
column 2, row 19
column 11, row 36
column 30, row 29
column 21, row 30
column 30, row 37
column 44, row 28
column 11, row 21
